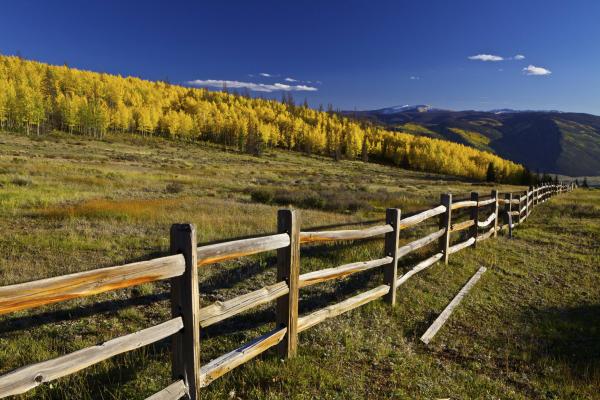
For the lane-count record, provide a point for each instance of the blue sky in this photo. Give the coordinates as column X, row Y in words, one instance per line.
column 353, row 54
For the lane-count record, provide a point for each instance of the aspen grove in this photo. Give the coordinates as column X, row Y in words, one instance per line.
column 37, row 97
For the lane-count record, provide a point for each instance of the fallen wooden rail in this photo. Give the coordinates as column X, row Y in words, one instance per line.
column 443, row 317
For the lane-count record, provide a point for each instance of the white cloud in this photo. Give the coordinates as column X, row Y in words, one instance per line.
column 414, row 78
column 265, row 75
column 256, row 87
column 533, row 70
column 290, row 80
column 519, row 57
column 486, row 57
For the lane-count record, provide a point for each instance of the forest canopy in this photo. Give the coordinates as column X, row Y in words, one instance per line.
column 37, row 97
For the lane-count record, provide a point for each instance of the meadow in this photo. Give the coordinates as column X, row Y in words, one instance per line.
column 68, row 203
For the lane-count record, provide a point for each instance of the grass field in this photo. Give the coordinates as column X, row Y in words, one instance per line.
column 529, row 329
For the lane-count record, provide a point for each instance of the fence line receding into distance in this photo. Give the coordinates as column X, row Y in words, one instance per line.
column 188, row 318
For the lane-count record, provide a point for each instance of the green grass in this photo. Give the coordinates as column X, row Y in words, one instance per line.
column 529, row 329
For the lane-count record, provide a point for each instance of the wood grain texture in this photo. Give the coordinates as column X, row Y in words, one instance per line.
column 52, row 290
column 483, row 203
column 351, row 234
column 221, row 310
column 239, row 248
column 464, row 204
column 496, row 211
column 474, row 231
column 221, row 365
column 419, row 267
column 288, row 270
column 390, row 271
column 422, row 216
column 333, row 310
column 445, row 222
column 486, row 235
column 323, row 275
column 459, row 226
column 185, row 302
column 443, row 317
column 462, row 245
column 26, row 378
column 417, row 244
column 174, row 391
column 487, row 221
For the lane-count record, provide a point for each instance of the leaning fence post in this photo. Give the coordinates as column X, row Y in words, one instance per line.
column 495, row 196
column 507, row 206
column 185, row 303
column 475, row 217
column 445, row 223
column 390, row 272
column 288, row 270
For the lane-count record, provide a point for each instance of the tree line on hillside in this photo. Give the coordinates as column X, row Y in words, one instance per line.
column 37, row 97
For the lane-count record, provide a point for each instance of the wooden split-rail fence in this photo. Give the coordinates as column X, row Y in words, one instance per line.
column 188, row 318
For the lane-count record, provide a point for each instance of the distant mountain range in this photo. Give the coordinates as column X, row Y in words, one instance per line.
column 545, row 141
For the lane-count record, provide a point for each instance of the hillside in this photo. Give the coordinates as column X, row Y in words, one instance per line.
column 526, row 331
column 543, row 141
column 36, row 98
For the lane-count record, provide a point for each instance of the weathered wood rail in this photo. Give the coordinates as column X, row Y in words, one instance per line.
column 189, row 376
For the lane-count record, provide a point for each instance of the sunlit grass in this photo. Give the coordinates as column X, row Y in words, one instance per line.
column 70, row 204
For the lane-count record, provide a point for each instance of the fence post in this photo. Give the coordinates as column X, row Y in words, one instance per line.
column 527, row 201
column 475, row 217
column 445, row 222
column 495, row 196
column 185, row 303
column 390, row 271
column 520, row 209
column 507, row 206
column 288, row 270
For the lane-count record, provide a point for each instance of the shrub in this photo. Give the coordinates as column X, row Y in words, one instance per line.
column 261, row 196
column 174, row 187
column 21, row 181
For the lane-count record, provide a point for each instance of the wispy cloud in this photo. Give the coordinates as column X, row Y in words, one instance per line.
column 533, row 70
column 519, row 57
column 266, row 75
column 256, row 87
column 414, row 78
column 290, row 80
column 486, row 57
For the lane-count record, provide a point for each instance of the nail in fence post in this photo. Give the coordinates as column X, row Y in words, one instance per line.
column 185, row 303
column 288, row 270
column 445, row 222
column 475, row 217
column 390, row 271
column 495, row 196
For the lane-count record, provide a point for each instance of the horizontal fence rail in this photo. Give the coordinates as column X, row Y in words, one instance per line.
column 188, row 317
